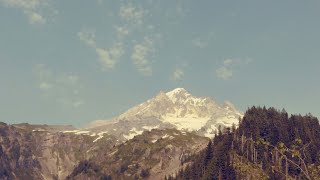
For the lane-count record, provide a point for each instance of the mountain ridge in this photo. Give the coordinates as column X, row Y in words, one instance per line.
column 174, row 109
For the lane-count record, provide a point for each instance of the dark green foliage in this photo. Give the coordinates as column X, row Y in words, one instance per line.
column 5, row 169
column 106, row 177
column 212, row 162
column 15, row 150
column 145, row 173
column 274, row 126
column 90, row 169
column 209, row 154
column 85, row 167
column 123, row 167
column 271, row 126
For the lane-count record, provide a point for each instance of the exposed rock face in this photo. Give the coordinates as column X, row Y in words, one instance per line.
column 160, row 152
column 151, row 139
column 174, row 109
column 36, row 152
column 41, row 152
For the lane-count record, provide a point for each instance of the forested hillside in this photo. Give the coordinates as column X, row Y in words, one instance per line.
column 268, row 144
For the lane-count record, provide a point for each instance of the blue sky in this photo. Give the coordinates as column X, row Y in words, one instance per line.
column 75, row 61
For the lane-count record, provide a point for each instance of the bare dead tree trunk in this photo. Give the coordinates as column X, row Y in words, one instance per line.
column 277, row 158
column 252, row 152
column 272, row 156
column 254, row 155
column 286, row 168
column 242, row 143
column 247, row 150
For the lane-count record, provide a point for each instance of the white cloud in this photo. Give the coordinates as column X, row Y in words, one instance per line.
column 203, row 41
column 88, row 37
column 141, row 56
column 225, row 72
column 110, row 57
column 37, row 18
column 122, row 31
column 132, row 21
column 178, row 74
column 181, row 8
column 78, row 103
column 45, row 85
column 33, row 9
column 229, row 62
column 132, row 14
column 62, row 88
column 198, row 42
column 107, row 57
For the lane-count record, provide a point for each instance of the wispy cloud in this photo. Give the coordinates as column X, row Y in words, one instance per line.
column 181, row 8
column 33, row 9
column 62, row 88
column 177, row 11
column 132, row 13
column 88, row 37
column 132, row 16
column 225, row 72
column 178, row 74
column 203, row 41
column 36, row 18
column 141, row 55
column 108, row 57
column 132, row 22
column 122, row 31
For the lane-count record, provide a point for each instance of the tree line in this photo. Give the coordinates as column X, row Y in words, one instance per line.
column 280, row 145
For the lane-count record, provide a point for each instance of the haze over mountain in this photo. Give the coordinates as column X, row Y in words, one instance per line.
column 175, row 109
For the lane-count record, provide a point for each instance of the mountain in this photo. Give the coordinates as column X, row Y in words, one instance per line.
column 267, row 144
column 153, row 154
column 44, row 152
column 153, row 139
column 52, row 153
column 175, row 109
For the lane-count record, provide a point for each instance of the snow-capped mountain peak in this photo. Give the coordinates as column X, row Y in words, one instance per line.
column 174, row 109
column 178, row 93
column 183, row 97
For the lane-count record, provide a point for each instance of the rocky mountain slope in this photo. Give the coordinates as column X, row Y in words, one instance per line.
column 43, row 152
column 175, row 109
column 153, row 139
column 155, row 154
column 48, row 152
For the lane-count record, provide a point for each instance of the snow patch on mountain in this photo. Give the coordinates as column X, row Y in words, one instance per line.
column 149, row 128
column 209, row 133
column 133, row 132
column 191, row 123
column 100, row 136
column 227, row 120
column 175, row 109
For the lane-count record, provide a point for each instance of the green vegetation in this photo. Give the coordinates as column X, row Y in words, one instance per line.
column 88, row 169
column 267, row 145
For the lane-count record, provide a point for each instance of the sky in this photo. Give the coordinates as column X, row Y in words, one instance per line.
column 76, row 61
